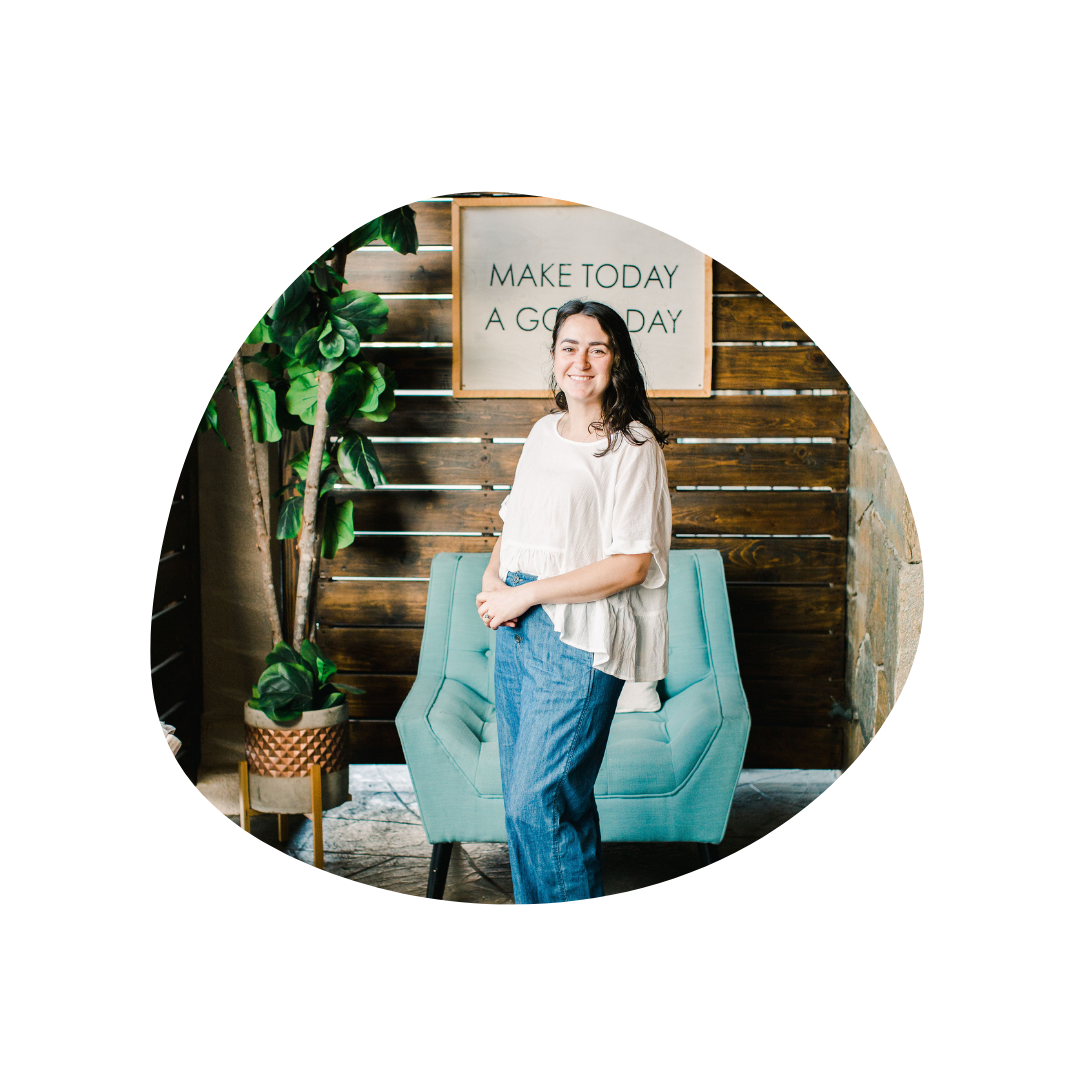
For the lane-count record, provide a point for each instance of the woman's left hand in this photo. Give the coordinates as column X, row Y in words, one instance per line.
column 503, row 605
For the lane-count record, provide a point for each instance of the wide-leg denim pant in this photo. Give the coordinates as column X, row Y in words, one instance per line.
column 554, row 712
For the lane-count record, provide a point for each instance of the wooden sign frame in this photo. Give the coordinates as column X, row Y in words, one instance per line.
column 456, row 279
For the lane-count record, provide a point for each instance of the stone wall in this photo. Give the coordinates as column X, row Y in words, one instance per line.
column 884, row 585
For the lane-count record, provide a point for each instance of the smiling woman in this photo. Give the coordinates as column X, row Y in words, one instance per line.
column 577, row 589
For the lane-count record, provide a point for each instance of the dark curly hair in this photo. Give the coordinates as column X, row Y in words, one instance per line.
column 624, row 400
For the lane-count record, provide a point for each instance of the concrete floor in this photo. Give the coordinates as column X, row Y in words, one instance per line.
column 378, row 838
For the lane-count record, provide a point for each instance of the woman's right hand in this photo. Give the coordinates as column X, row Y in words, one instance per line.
column 490, row 584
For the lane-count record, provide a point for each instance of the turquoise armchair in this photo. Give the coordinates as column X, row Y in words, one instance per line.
column 666, row 776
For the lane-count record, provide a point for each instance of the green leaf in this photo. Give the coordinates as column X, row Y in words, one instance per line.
column 352, row 462
column 288, row 331
column 338, row 528
column 348, row 332
column 285, row 691
column 299, row 464
column 290, row 518
column 262, row 409
column 352, row 387
column 398, row 230
column 372, row 460
column 363, row 236
column 329, row 481
column 282, row 653
column 209, row 422
column 307, row 342
column 377, row 386
column 291, row 297
column 282, row 707
column 332, row 348
column 317, row 661
column 330, row 699
column 365, row 310
column 303, row 396
column 260, row 333
column 322, row 278
column 300, row 367
column 348, row 689
column 386, row 407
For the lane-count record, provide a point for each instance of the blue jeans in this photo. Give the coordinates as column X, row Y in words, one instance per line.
column 554, row 712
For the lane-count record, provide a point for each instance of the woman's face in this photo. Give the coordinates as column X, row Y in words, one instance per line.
column 582, row 359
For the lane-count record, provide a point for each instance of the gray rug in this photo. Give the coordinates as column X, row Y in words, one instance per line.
column 378, row 838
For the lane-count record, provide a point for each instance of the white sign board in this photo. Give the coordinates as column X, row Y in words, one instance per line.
column 517, row 260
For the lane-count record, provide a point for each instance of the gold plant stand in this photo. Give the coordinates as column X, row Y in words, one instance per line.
column 247, row 813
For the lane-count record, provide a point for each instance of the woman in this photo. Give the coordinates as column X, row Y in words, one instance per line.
column 577, row 591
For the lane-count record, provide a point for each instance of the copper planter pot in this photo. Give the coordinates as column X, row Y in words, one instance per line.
column 280, row 757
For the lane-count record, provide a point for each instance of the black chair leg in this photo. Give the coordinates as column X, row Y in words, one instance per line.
column 709, row 853
column 440, row 863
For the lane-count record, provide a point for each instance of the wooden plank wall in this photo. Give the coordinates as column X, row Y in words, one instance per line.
column 176, row 621
column 769, row 492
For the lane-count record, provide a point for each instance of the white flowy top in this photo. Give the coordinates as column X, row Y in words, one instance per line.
column 569, row 508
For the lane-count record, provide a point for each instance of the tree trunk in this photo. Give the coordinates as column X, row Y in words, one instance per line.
column 311, row 502
column 262, row 535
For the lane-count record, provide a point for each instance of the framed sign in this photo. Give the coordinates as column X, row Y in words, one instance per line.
column 516, row 260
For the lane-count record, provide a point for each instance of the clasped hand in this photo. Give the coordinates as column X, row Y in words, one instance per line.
column 504, row 605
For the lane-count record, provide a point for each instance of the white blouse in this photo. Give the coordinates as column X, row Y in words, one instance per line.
column 569, row 508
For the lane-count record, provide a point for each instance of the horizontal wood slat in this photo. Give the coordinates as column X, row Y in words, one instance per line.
column 798, row 464
column 791, row 656
column 449, row 463
column 382, row 270
column 738, row 416
column 176, row 528
column 389, row 650
column 173, row 581
column 416, row 367
column 411, row 319
column 775, row 558
column 786, row 512
column 793, row 609
column 735, row 318
column 171, row 631
column 398, row 556
column 372, row 603
column 427, row 511
column 752, row 318
column 766, row 559
column 763, row 367
column 794, row 702
column 794, row 748
column 792, row 512
column 382, row 696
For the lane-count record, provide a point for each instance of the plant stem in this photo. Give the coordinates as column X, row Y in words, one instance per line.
column 311, row 502
column 262, row 536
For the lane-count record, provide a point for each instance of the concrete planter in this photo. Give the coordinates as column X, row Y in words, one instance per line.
column 280, row 757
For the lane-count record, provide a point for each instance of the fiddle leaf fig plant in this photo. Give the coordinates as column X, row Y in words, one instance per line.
column 317, row 380
column 297, row 682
